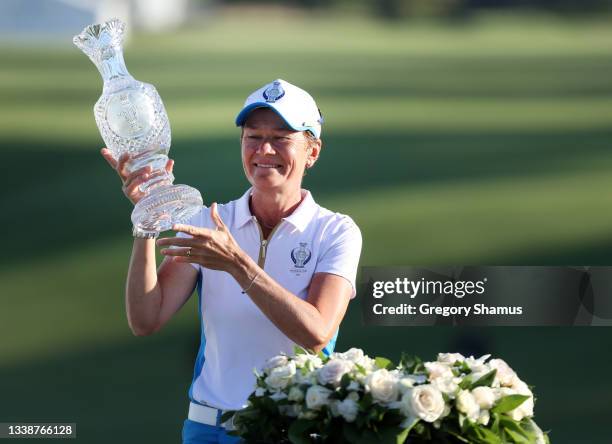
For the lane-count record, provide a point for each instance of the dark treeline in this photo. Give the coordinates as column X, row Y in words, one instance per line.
column 397, row 9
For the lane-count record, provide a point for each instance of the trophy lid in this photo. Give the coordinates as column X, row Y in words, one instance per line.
column 101, row 41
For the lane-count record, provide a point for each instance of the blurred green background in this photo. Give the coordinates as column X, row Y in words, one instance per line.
column 478, row 141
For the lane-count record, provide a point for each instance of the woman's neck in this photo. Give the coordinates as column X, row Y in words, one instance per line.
column 270, row 208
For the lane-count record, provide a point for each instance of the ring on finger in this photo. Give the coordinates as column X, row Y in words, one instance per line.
column 189, row 252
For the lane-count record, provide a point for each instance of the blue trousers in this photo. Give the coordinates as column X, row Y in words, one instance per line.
column 197, row 433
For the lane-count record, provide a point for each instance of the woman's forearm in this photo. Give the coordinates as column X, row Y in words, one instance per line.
column 299, row 320
column 143, row 294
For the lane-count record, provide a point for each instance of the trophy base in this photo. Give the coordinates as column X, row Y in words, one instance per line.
column 166, row 206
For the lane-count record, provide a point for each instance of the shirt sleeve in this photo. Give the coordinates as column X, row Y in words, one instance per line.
column 197, row 221
column 340, row 255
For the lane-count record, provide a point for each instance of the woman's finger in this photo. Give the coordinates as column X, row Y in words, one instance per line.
column 133, row 192
column 170, row 165
column 143, row 174
column 108, row 156
column 122, row 166
column 175, row 242
column 215, row 216
column 184, row 252
column 193, row 231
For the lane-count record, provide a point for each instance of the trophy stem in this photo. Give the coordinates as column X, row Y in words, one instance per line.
column 157, row 160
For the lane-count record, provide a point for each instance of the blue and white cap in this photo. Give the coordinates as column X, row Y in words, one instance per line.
column 294, row 105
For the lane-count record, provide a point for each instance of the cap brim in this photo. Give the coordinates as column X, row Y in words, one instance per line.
column 242, row 117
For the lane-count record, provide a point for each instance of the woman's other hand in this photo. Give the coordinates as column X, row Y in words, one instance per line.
column 132, row 181
column 215, row 249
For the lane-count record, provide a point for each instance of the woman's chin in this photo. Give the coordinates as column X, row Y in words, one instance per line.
column 267, row 181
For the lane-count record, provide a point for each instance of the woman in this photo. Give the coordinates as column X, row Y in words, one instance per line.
column 273, row 268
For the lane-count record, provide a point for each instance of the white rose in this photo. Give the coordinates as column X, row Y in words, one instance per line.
column 438, row 370
column 484, row 417
column 540, row 439
column 382, row 385
column 448, row 386
column 424, row 402
column 466, row 404
column 354, row 355
column 309, row 361
column 276, row 361
column 333, row 370
column 476, row 375
column 277, row 396
column 367, row 363
column 348, row 409
column 478, row 365
column 404, row 384
column 503, row 391
column 317, row 397
column 525, row 410
column 506, row 376
column 295, row 394
column 484, row 396
column 260, row 391
column 308, row 377
column 279, row 377
column 450, row 358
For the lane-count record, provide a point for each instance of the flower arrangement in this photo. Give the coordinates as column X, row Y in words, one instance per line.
column 351, row 398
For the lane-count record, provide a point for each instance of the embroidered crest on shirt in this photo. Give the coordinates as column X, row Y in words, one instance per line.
column 301, row 255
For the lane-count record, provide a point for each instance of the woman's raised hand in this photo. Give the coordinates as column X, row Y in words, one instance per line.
column 215, row 249
column 132, row 181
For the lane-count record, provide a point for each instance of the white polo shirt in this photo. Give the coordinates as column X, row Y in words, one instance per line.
column 236, row 336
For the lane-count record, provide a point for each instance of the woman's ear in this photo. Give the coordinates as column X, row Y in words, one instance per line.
column 314, row 149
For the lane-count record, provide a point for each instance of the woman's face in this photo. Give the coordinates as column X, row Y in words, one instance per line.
column 273, row 156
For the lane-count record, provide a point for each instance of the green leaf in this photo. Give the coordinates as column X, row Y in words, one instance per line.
column 391, row 435
column 383, row 362
column 466, row 383
column 401, row 436
column 459, row 437
column 495, row 424
column 484, row 381
column 297, row 350
column 484, row 436
column 510, row 424
column 345, row 381
column 517, row 437
column 412, row 364
column 350, row 433
column 412, row 422
column 508, row 403
column 361, row 369
column 462, row 367
column 300, row 429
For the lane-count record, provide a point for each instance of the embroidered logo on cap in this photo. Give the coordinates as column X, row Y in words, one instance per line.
column 274, row 92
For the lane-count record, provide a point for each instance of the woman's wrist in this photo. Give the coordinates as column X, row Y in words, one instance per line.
column 243, row 269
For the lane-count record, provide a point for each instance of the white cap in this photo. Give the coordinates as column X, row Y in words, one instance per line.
column 294, row 105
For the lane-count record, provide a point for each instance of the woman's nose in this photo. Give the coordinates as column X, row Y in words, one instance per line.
column 266, row 147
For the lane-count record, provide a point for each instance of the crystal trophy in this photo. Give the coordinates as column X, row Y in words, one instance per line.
column 131, row 118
